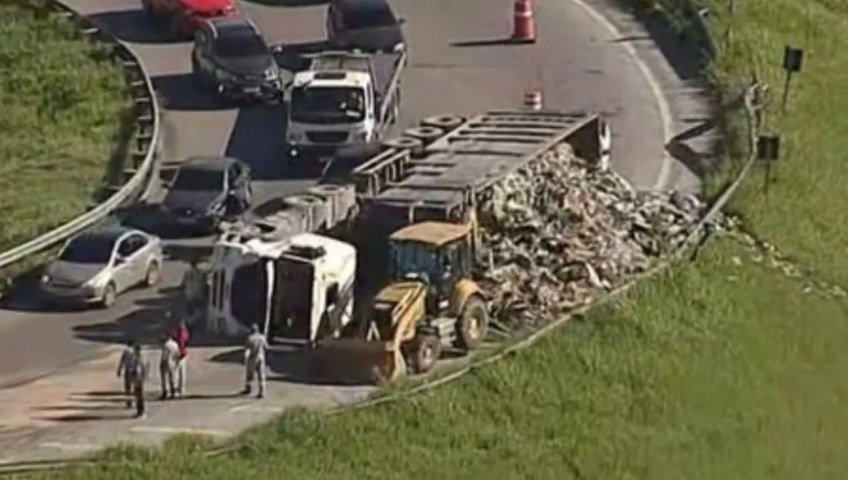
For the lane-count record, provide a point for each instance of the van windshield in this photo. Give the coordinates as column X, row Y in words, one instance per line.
column 327, row 105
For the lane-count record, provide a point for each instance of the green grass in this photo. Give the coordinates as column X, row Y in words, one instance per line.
column 62, row 109
column 804, row 212
column 714, row 370
column 699, row 374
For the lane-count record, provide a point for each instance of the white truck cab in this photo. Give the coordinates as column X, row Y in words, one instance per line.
column 342, row 99
column 329, row 110
column 298, row 289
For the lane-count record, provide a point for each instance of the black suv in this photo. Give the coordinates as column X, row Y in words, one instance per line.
column 206, row 190
column 231, row 57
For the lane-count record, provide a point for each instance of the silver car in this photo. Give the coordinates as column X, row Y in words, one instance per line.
column 94, row 267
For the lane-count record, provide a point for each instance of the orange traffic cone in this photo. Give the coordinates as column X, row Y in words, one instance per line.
column 524, row 30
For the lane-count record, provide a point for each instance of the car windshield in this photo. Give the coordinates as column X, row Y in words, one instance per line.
column 327, row 105
column 413, row 258
column 240, row 45
column 199, row 180
column 377, row 15
column 88, row 249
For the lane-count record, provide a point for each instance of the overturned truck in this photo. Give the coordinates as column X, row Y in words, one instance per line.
column 414, row 231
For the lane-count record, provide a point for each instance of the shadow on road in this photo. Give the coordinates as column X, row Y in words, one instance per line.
column 180, row 92
column 143, row 324
column 133, row 26
column 258, row 139
column 485, row 43
column 288, row 365
column 682, row 53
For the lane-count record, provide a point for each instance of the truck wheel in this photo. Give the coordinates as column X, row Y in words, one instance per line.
column 424, row 352
column 473, row 324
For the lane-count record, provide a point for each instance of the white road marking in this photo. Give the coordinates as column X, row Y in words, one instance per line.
column 68, row 446
column 653, row 83
column 175, row 430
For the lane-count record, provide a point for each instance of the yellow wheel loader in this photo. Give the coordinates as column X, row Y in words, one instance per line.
column 431, row 303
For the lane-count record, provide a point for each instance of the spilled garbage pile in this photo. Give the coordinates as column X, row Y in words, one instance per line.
column 559, row 232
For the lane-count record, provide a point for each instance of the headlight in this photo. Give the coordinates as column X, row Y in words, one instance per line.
column 271, row 73
column 45, row 279
column 95, row 282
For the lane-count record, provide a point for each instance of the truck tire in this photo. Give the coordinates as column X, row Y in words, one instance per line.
column 427, row 135
column 424, row 351
column 472, row 324
column 414, row 145
column 445, row 122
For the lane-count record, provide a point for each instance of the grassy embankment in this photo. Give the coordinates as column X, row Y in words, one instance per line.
column 63, row 107
column 718, row 369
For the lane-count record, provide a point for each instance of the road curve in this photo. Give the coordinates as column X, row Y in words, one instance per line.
column 458, row 64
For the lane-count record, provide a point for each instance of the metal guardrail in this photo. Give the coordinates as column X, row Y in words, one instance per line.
column 142, row 156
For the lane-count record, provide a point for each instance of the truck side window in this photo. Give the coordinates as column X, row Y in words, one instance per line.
column 332, row 295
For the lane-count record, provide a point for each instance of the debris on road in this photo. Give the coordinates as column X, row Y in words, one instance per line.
column 556, row 233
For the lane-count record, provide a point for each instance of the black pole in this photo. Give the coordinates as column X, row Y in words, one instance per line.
column 786, row 85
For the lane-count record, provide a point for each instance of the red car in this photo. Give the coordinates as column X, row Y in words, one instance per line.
column 184, row 16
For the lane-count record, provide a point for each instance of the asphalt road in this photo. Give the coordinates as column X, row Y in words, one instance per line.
column 458, row 64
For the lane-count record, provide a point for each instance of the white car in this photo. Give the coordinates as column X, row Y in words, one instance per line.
column 98, row 265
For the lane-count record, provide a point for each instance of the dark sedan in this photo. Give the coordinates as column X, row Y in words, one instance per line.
column 231, row 58
column 207, row 190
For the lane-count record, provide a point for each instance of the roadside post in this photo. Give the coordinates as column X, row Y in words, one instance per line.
column 793, row 59
column 768, row 150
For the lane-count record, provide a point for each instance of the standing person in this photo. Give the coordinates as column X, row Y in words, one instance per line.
column 125, row 369
column 254, row 360
column 181, row 336
column 194, row 290
column 139, row 376
column 168, row 367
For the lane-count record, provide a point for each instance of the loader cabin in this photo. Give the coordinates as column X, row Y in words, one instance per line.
column 437, row 253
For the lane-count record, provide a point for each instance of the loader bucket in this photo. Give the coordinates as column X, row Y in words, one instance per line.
column 356, row 361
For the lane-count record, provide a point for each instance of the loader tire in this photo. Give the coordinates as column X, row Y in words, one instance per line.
column 473, row 324
column 424, row 352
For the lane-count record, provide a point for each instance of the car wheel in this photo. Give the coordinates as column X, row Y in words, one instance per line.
column 110, row 294
column 152, row 276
